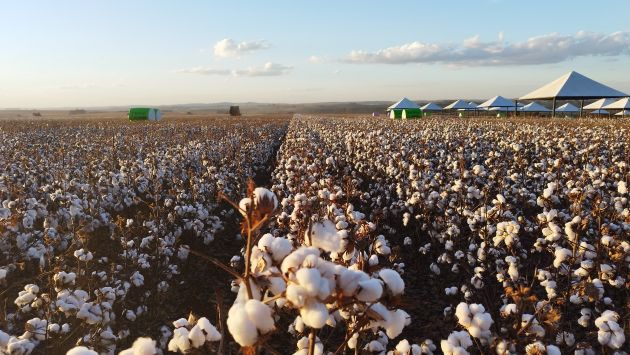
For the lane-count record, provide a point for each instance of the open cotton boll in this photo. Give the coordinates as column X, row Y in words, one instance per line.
column 457, row 343
column 196, row 336
column 396, row 322
column 211, row 332
column 393, row 281
column 314, row 314
column 294, row 260
column 309, row 279
column 81, row 350
column 243, row 330
column 610, row 333
column 370, row 290
column 348, row 281
column 141, row 346
column 324, row 235
column 260, row 314
column 180, row 341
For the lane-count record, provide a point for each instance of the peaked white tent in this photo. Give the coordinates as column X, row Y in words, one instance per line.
column 458, row 105
column 623, row 113
column 534, row 107
column 573, row 86
column 404, row 103
column 599, row 104
column 568, row 108
column 473, row 105
column 431, row 107
column 622, row 104
column 498, row 101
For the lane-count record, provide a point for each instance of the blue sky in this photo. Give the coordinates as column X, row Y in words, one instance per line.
column 96, row 53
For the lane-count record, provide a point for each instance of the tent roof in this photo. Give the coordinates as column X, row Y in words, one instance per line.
column 432, row 107
column 619, row 104
column 498, row 101
column 457, row 105
column 623, row 113
column 573, row 86
column 473, row 105
column 534, row 107
column 599, row 104
column 567, row 108
column 402, row 104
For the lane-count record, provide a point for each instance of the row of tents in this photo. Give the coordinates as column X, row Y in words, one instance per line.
column 572, row 86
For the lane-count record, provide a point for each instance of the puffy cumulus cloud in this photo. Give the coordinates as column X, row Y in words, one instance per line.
column 230, row 48
column 268, row 69
column 545, row 49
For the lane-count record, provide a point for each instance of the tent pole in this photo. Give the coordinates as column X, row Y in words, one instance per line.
column 581, row 107
column 553, row 112
column 516, row 107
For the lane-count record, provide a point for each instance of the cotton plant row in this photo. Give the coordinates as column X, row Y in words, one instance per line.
column 97, row 220
column 529, row 221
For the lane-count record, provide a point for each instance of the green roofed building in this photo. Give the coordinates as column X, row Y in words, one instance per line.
column 144, row 114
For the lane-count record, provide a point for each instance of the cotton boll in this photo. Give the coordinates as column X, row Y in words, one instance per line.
column 310, row 280
column 260, row 314
column 180, row 341
column 243, row 330
column 81, row 350
column 395, row 323
column 457, row 343
column 370, row 290
column 314, row 314
column 196, row 336
column 324, row 235
column 393, row 281
column 141, row 346
column 348, row 281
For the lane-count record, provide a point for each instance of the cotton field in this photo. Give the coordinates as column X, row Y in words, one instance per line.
column 315, row 235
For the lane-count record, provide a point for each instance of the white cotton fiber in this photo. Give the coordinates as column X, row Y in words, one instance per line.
column 243, row 330
column 370, row 290
column 314, row 314
column 310, row 279
column 260, row 314
column 142, row 346
column 81, row 350
column 324, row 235
column 393, row 281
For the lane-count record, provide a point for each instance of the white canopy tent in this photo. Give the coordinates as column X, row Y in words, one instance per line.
column 458, row 105
column 622, row 104
column 599, row 104
column 534, row 107
column 431, row 107
column 404, row 103
column 573, row 86
column 498, row 102
column 568, row 108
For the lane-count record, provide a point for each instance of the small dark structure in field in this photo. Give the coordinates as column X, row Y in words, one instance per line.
column 37, row 114
column 235, row 111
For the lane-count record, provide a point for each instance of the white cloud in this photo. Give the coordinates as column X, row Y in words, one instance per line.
column 545, row 49
column 204, row 71
column 317, row 59
column 227, row 47
column 269, row 69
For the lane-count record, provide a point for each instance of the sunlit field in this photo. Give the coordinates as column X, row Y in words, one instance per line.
column 279, row 234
